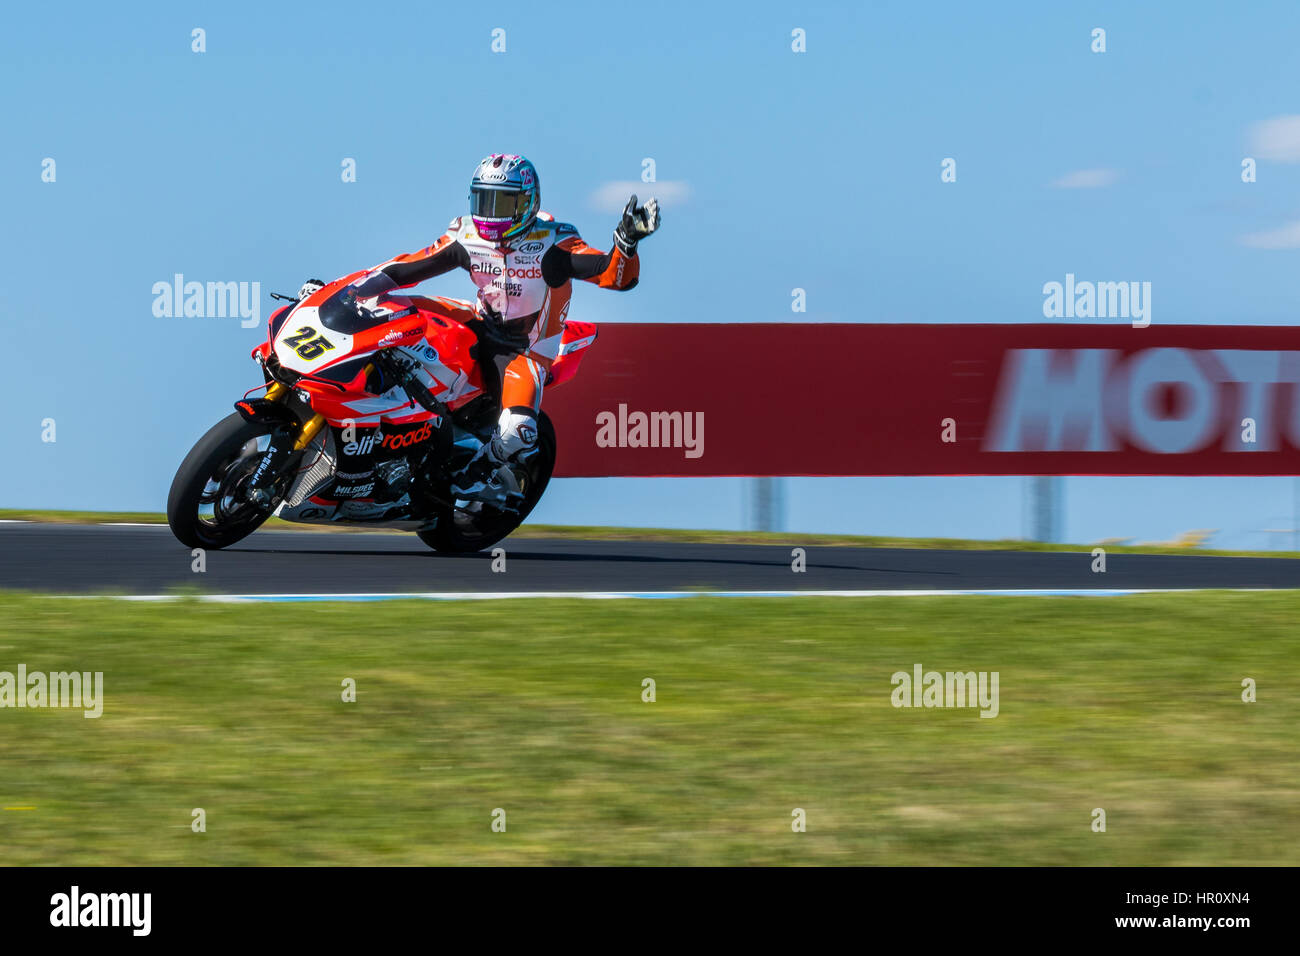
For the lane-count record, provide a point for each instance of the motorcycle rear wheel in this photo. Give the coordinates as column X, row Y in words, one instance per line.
column 473, row 526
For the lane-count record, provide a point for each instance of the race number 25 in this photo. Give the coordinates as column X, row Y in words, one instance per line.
column 307, row 347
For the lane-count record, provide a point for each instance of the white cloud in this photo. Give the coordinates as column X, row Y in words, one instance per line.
column 1276, row 139
column 1284, row 237
column 1087, row 179
column 612, row 197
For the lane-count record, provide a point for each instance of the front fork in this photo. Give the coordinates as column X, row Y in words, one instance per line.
column 311, row 428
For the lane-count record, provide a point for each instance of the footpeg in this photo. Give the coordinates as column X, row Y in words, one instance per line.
column 499, row 488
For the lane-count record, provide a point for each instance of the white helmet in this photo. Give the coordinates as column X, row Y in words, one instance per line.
column 505, row 196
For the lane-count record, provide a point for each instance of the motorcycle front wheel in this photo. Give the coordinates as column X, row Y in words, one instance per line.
column 206, row 507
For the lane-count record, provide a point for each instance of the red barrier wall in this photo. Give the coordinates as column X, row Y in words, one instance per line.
column 792, row 399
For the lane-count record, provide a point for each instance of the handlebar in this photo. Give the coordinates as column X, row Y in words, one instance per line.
column 404, row 375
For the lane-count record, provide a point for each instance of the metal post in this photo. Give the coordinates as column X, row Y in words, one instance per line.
column 767, row 504
column 1045, row 506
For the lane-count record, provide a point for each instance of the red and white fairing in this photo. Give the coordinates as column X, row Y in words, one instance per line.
column 427, row 330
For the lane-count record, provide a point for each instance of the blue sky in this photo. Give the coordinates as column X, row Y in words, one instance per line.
column 779, row 170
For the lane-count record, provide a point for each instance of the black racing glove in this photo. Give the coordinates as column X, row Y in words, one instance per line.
column 637, row 223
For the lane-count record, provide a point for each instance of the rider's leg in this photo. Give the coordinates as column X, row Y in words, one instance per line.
column 516, row 432
column 521, row 399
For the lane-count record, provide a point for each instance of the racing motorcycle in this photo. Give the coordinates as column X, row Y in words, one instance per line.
column 407, row 370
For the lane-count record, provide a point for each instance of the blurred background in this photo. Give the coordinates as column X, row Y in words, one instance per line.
column 778, row 170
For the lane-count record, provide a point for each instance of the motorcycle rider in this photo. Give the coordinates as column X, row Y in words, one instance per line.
column 523, row 263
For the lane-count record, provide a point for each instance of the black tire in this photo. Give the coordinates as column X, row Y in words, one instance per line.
column 463, row 531
column 216, row 457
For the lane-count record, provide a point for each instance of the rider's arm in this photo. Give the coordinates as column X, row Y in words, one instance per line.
column 413, row 268
column 572, row 258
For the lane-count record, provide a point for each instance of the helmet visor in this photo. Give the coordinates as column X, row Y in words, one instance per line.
column 488, row 203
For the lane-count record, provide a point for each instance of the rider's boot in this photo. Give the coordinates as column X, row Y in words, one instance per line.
column 484, row 478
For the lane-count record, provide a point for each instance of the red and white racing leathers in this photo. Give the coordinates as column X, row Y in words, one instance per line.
column 524, row 287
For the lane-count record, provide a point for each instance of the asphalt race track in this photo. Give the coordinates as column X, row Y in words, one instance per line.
column 135, row 560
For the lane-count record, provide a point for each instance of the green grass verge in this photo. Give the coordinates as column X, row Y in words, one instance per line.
column 694, row 536
column 1128, row 704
